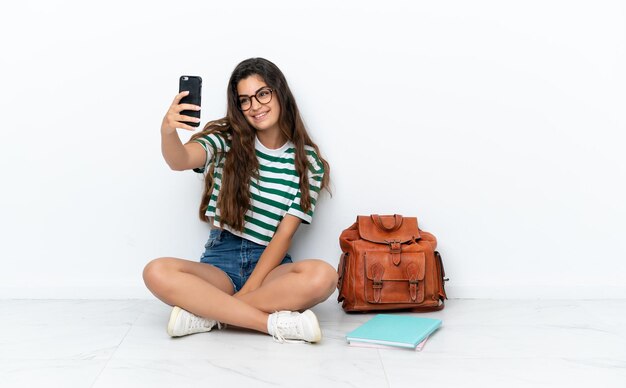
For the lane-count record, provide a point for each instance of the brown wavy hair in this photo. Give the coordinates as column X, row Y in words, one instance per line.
column 241, row 163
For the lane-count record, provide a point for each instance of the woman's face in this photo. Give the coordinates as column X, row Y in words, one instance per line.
column 263, row 116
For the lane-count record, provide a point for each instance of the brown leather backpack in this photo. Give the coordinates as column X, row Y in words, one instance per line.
column 388, row 263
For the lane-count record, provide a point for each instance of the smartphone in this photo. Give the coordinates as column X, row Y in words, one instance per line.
column 193, row 84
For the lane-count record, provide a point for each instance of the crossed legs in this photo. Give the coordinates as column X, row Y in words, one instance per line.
column 206, row 291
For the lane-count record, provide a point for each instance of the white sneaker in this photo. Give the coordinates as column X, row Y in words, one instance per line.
column 288, row 326
column 183, row 322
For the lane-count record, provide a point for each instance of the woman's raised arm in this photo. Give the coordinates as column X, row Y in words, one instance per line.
column 180, row 156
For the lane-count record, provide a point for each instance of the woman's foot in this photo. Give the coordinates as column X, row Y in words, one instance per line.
column 289, row 326
column 184, row 323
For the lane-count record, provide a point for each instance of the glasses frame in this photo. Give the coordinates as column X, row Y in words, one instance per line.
column 256, row 97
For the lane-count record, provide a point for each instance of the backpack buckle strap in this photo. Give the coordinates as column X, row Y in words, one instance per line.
column 411, row 271
column 377, row 271
column 395, row 248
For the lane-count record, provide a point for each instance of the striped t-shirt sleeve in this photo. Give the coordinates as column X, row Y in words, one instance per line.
column 212, row 144
column 316, row 173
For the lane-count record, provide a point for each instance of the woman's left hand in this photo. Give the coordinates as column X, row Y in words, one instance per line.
column 245, row 289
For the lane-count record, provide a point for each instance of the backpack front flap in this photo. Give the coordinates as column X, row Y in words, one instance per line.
column 387, row 282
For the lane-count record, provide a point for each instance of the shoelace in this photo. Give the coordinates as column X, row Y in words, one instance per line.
column 197, row 322
column 287, row 326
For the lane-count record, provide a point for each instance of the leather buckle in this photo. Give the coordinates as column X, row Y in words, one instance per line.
column 395, row 249
column 377, row 284
column 395, row 246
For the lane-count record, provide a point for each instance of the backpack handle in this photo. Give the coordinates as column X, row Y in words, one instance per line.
column 379, row 222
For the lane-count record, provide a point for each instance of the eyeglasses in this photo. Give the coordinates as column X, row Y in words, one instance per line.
column 263, row 96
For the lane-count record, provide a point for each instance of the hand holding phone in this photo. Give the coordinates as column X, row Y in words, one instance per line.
column 184, row 113
column 192, row 84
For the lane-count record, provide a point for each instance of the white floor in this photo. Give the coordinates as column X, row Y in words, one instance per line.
column 482, row 343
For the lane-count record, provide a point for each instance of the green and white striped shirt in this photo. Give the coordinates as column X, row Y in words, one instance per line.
column 274, row 194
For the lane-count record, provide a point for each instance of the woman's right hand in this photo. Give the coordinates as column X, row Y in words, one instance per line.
column 173, row 119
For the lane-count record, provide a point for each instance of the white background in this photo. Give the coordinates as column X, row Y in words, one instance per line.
column 499, row 124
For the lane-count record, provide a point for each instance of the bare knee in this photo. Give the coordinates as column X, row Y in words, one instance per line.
column 323, row 278
column 156, row 274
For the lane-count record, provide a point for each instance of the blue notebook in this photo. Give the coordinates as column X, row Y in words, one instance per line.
column 394, row 330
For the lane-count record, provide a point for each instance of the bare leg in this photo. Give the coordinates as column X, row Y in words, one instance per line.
column 203, row 290
column 294, row 287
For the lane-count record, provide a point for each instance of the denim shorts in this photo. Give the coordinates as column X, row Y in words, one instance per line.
column 234, row 255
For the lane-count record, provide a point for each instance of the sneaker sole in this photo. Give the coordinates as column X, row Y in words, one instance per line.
column 173, row 317
column 317, row 331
